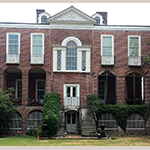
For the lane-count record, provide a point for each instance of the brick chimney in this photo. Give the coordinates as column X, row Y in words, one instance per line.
column 38, row 11
column 104, row 14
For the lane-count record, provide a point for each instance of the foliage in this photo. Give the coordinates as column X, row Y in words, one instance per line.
column 78, row 128
column 7, row 110
column 51, row 112
column 146, row 60
column 39, row 130
column 32, row 132
column 120, row 112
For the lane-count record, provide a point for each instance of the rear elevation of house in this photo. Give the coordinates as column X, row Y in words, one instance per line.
column 74, row 55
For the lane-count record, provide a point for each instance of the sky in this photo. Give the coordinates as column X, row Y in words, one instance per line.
column 118, row 13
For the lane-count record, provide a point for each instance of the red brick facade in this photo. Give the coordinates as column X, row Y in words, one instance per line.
column 56, row 80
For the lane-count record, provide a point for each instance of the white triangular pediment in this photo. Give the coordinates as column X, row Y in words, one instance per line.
column 71, row 16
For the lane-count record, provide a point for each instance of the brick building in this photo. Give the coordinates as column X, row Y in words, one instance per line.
column 73, row 55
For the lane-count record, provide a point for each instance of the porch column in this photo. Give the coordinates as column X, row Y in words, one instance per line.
column 24, row 89
column 147, row 89
column 120, row 89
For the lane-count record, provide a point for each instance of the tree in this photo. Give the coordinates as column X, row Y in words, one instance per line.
column 51, row 112
column 7, row 109
column 146, row 60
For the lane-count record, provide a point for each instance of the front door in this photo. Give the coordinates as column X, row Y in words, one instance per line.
column 71, row 121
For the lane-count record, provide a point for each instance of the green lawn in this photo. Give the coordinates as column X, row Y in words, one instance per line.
column 33, row 141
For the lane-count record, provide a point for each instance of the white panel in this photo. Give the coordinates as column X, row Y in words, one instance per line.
column 107, row 60
column 134, row 61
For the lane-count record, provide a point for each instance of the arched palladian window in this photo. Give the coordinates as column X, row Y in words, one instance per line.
column 71, row 56
column 109, row 121
column 34, row 119
column 16, row 122
column 135, row 122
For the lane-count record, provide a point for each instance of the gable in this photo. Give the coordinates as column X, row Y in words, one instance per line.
column 71, row 16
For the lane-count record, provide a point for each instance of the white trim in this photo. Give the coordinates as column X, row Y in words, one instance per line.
column 71, row 85
column 107, row 35
column 139, row 40
column 31, row 48
column 42, row 14
column 100, row 16
column 71, row 38
column 7, row 40
column 16, row 91
column 77, row 27
column 36, row 86
column 80, row 48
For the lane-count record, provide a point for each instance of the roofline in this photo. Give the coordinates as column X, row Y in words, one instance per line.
column 95, row 27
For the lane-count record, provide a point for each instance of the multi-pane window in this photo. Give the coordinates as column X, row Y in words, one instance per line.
column 40, row 90
column 58, row 60
column 37, row 45
column 16, row 122
column 13, row 43
column 71, row 91
column 134, row 46
column 34, row 119
column 71, row 56
column 19, row 88
column 107, row 45
column 83, row 60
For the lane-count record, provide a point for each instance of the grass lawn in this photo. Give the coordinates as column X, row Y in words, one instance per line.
column 33, row 141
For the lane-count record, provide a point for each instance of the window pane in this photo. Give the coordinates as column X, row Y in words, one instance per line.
column 107, row 46
column 73, row 118
column 68, row 118
column 83, row 61
column 41, row 85
column 134, row 46
column 74, row 92
column 37, row 45
column 43, row 19
column 13, row 44
column 101, row 90
column 68, row 91
column 71, row 56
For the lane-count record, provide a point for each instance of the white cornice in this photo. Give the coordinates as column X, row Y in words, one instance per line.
column 76, row 27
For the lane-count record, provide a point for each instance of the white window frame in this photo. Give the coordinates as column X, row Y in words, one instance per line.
column 100, row 16
column 107, row 35
column 7, row 39
column 80, row 48
column 71, row 85
column 36, row 90
column 16, row 92
column 139, row 38
column 32, row 42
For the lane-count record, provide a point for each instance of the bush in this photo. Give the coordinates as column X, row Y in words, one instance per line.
column 51, row 112
column 7, row 110
column 32, row 132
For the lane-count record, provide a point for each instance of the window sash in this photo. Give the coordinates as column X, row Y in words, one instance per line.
column 37, row 44
column 107, row 45
column 134, row 46
column 71, row 56
column 13, row 43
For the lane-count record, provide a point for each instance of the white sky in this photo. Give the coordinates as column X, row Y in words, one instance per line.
column 118, row 13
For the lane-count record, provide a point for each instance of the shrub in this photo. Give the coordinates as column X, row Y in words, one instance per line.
column 51, row 112
column 7, row 110
column 32, row 132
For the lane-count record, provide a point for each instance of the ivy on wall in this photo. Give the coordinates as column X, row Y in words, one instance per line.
column 120, row 112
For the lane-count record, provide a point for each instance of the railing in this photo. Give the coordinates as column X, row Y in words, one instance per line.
column 12, row 58
column 71, row 101
column 107, row 60
column 35, row 102
column 134, row 61
column 36, row 59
